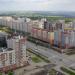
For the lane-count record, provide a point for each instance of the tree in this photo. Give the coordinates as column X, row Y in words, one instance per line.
column 10, row 73
column 0, row 73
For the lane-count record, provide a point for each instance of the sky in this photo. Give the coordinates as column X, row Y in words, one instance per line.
column 37, row 5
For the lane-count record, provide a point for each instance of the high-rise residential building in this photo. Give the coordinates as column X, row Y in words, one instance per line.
column 48, row 26
column 60, row 25
column 19, row 45
column 20, row 24
column 7, row 59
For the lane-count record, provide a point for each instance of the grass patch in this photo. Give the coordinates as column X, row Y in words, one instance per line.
column 72, row 68
column 36, row 59
column 6, row 29
column 10, row 73
column 52, row 72
column 0, row 73
column 67, row 71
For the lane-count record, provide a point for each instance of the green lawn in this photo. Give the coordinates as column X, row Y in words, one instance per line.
column 67, row 71
column 5, row 29
column 52, row 72
column 0, row 73
column 10, row 73
column 36, row 59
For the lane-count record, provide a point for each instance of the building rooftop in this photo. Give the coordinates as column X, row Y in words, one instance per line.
column 16, row 37
column 5, row 49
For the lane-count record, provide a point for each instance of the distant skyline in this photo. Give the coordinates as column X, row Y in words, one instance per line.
column 37, row 5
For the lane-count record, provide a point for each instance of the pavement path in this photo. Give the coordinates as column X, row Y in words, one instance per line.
column 31, row 68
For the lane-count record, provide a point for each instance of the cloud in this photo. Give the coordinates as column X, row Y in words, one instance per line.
column 64, row 5
column 40, row 5
column 31, row 0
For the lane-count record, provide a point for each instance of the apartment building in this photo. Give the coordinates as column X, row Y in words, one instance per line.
column 19, row 45
column 40, row 28
column 59, row 25
column 7, row 59
column 48, row 26
column 17, row 24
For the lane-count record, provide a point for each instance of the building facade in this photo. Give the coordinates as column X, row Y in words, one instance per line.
column 7, row 59
column 19, row 45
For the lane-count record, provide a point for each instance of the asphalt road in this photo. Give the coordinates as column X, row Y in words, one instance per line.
column 53, row 56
